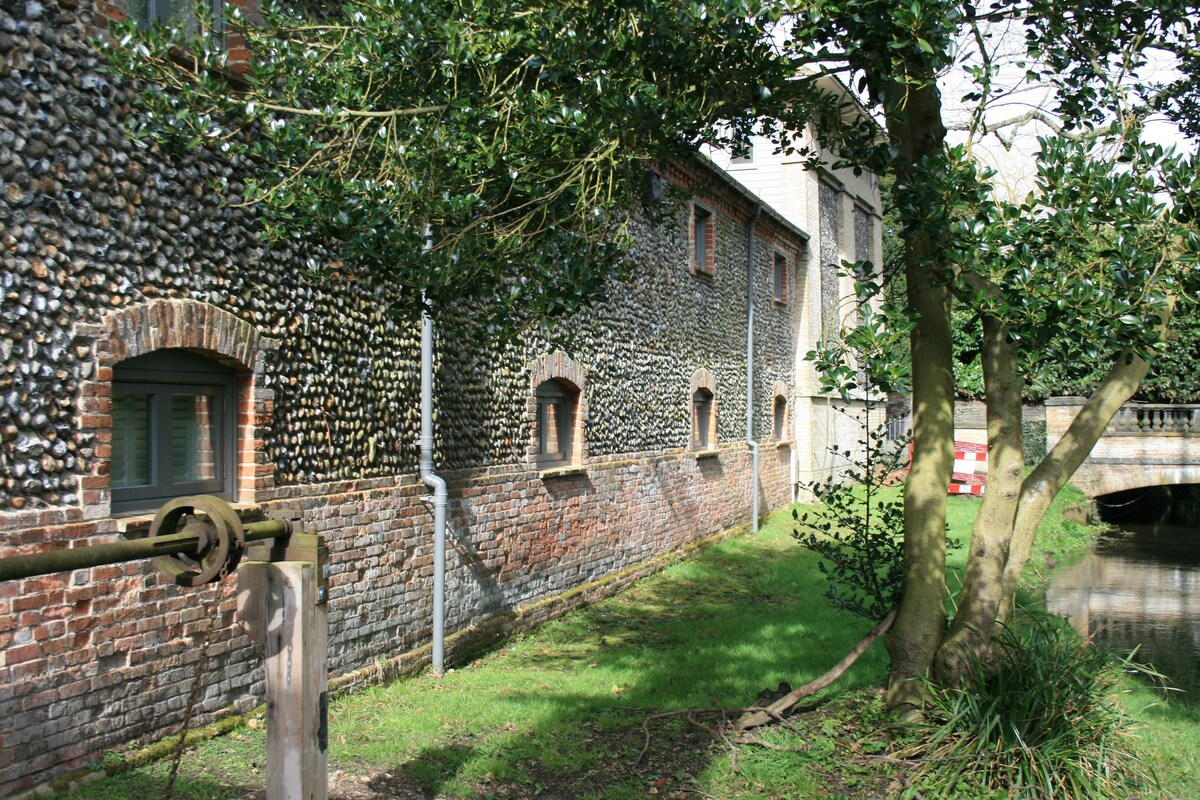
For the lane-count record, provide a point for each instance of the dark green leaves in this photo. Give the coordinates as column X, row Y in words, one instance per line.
column 514, row 136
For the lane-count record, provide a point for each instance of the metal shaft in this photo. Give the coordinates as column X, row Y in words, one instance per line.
column 98, row 555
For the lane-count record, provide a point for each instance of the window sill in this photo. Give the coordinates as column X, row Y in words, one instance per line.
column 562, row 472
column 783, row 444
column 710, row 453
column 136, row 524
column 779, row 302
column 702, row 272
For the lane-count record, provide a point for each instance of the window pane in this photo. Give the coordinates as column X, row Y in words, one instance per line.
column 131, row 440
column 138, row 10
column 700, row 238
column 551, row 433
column 701, row 418
column 193, row 438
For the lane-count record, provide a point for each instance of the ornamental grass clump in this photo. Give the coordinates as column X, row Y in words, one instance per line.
column 1039, row 719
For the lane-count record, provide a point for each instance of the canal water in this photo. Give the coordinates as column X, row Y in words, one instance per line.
column 1139, row 588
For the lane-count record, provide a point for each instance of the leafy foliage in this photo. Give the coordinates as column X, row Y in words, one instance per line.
column 479, row 152
column 1041, row 714
column 1100, row 235
column 858, row 525
column 857, row 533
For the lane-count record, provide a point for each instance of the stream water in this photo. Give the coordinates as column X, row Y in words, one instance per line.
column 1139, row 588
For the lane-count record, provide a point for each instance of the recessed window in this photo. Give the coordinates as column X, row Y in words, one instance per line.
column 703, row 237
column 173, row 12
column 780, row 417
column 702, row 419
column 172, row 429
column 743, row 157
column 779, row 284
column 557, row 405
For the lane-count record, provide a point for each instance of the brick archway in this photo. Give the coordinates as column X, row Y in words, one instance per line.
column 561, row 367
column 191, row 325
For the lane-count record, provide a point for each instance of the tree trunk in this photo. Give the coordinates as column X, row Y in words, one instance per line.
column 916, row 129
column 1044, row 483
column 983, row 590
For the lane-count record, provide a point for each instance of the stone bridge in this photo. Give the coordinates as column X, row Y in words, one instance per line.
column 1146, row 444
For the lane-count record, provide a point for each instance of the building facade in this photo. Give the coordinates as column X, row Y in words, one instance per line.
column 153, row 345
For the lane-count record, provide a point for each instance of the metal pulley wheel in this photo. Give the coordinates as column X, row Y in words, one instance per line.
column 221, row 539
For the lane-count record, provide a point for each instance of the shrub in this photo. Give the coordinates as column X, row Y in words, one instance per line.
column 857, row 529
column 1038, row 719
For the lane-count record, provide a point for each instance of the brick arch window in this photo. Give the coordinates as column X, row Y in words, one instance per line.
column 557, row 411
column 176, row 405
column 779, row 413
column 704, row 410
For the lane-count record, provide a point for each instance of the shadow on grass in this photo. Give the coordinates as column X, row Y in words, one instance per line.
column 560, row 714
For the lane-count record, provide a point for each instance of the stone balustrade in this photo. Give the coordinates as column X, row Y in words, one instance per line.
column 1154, row 418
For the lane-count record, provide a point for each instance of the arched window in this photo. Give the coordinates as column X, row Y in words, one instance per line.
column 557, row 407
column 173, row 429
column 557, row 412
column 780, row 418
column 704, row 410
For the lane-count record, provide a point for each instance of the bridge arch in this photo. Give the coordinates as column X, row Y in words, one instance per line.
column 1098, row 479
column 1145, row 444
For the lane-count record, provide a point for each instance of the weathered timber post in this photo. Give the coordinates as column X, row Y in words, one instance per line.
column 281, row 603
column 282, row 590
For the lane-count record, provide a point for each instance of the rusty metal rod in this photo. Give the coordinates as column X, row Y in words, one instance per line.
column 98, row 555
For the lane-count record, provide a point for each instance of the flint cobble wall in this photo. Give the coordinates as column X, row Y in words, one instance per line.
column 109, row 248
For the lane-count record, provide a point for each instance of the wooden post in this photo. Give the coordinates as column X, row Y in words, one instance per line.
column 279, row 605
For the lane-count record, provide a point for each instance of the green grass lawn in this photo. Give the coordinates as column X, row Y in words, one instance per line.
column 560, row 713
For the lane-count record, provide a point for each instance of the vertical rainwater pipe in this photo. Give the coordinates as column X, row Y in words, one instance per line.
column 750, row 367
column 438, row 487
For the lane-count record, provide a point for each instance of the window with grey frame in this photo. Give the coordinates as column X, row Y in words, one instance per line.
column 703, row 239
column 557, row 405
column 702, row 413
column 173, row 429
column 167, row 12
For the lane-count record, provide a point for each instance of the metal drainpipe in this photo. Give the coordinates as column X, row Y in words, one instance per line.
column 750, row 368
column 438, row 498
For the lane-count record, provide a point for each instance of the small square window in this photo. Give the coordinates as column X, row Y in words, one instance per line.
column 703, row 240
column 743, row 157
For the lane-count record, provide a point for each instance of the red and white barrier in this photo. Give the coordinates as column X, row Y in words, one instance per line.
column 970, row 468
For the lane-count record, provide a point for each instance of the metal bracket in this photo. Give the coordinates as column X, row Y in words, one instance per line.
column 298, row 546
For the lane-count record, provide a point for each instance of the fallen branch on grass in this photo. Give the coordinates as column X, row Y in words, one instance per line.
column 776, row 710
column 756, row 716
column 678, row 713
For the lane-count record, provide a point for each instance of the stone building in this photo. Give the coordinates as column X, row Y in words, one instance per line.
column 153, row 345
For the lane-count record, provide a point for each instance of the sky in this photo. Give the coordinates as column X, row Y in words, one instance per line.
column 1013, row 154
